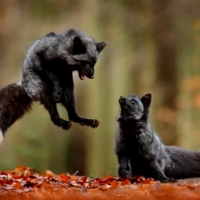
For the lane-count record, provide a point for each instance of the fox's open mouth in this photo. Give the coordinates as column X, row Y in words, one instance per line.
column 81, row 74
column 86, row 71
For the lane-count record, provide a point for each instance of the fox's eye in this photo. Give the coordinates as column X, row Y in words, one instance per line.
column 84, row 63
column 91, row 62
column 133, row 101
column 94, row 62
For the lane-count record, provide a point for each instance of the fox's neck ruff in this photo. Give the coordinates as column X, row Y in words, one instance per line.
column 137, row 127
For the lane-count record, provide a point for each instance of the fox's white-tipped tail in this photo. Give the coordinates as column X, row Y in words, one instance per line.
column 1, row 136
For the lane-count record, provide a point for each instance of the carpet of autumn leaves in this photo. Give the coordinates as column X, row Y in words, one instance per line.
column 25, row 183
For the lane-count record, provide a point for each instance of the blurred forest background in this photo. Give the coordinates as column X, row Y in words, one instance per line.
column 153, row 47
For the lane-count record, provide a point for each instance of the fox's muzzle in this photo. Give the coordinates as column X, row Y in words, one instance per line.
column 89, row 71
column 122, row 100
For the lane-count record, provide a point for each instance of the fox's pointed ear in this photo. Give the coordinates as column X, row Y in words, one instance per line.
column 100, row 46
column 51, row 34
column 77, row 40
column 78, row 46
column 146, row 101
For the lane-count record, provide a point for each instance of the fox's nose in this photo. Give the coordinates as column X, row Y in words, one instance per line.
column 121, row 99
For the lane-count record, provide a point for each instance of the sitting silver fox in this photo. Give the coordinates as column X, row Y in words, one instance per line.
column 141, row 152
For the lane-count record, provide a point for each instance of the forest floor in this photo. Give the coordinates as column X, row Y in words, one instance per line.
column 25, row 183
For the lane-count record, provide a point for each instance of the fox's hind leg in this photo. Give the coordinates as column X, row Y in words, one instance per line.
column 50, row 105
column 38, row 90
column 158, row 173
column 57, row 88
column 69, row 102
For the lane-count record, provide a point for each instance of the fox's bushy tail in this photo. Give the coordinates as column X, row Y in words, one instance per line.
column 14, row 103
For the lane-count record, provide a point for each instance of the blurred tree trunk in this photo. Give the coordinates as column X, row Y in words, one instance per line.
column 141, row 64
column 166, row 68
column 134, row 10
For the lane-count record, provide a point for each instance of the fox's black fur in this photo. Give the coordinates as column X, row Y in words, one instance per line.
column 48, row 67
column 141, row 152
column 47, row 78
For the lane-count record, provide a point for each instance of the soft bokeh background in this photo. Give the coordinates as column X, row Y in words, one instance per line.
column 153, row 47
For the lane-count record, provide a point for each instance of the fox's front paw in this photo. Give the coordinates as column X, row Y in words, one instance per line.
column 124, row 171
column 61, row 122
column 90, row 122
column 66, row 125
